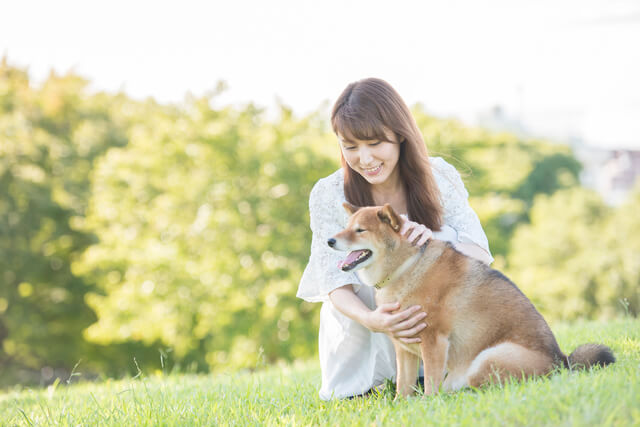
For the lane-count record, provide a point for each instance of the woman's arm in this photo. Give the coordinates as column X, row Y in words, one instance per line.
column 474, row 251
column 420, row 234
column 403, row 325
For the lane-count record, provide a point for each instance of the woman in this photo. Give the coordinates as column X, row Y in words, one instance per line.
column 384, row 160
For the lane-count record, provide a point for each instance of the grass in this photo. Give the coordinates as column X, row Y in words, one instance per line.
column 288, row 395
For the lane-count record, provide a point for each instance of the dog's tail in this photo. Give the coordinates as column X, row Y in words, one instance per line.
column 588, row 355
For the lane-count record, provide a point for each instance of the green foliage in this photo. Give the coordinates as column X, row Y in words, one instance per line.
column 49, row 138
column 578, row 257
column 618, row 281
column 203, row 235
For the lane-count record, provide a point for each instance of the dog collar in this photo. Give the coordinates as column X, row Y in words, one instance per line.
column 379, row 284
column 405, row 265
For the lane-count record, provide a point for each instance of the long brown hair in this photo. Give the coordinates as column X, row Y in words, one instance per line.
column 363, row 111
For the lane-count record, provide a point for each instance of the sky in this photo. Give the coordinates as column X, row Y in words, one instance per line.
column 561, row 68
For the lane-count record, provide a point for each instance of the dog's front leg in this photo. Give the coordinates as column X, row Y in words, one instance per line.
column 407, row 371
column 434, row 357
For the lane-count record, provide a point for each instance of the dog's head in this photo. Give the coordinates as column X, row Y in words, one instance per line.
column 370, row 234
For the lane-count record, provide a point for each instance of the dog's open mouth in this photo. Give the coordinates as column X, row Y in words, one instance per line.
column 354, row 258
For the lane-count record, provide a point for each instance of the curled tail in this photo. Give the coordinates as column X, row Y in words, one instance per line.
column 588, row 355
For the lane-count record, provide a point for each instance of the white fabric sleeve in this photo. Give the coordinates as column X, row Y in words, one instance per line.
column 457, row 212
column 446, row 234
column 322, row 274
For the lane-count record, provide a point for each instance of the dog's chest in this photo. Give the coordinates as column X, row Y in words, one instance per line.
column 406, row 300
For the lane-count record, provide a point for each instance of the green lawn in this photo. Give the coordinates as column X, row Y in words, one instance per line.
column 288, row 395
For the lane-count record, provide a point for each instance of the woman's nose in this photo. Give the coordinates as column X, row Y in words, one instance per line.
column 366, row 156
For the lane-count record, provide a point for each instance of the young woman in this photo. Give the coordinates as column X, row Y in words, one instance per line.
column 384, row 160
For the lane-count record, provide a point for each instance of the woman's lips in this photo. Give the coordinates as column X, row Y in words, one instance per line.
column 372, row 171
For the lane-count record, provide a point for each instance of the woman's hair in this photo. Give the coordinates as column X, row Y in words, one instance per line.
column 363, row 111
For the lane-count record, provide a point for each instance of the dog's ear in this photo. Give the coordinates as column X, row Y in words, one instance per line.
column 350, row 208
column 388, row 215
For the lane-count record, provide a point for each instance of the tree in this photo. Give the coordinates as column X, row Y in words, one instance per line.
column 203, row 234
column 577, row 257
column 51, row 136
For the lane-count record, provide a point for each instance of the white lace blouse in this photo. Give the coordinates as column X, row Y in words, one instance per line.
column 352, row 358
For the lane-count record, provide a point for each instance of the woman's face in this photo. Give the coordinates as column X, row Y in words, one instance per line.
column 375, row 160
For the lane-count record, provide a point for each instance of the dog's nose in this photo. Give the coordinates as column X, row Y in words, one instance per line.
column 331, row 242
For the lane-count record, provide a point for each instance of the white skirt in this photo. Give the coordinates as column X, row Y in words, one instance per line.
column 352, row 358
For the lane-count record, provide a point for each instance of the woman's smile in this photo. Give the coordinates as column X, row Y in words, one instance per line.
column 373, row 171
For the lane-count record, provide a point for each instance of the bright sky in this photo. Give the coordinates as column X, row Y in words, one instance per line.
column 561, row 66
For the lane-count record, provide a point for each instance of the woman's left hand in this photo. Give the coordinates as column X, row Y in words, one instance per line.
column 419, row 233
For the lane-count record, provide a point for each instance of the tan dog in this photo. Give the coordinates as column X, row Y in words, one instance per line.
column 480, row 326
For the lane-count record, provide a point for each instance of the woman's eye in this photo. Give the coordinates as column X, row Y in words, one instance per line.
column 349, row 148
column 360, row 230
column 376, row 143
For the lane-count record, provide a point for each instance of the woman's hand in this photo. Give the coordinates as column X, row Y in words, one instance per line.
column 403, row 325
column 419, row 234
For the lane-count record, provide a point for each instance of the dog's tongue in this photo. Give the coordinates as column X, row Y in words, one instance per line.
column 350, row 258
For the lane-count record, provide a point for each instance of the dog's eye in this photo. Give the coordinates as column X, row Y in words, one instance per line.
column 360, row 230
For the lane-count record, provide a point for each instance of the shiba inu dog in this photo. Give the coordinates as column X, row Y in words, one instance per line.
column 480, row 327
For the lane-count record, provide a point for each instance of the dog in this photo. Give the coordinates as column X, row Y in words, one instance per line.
column 480, row 327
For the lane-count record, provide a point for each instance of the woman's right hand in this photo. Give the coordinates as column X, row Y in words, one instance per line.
column 402, row 325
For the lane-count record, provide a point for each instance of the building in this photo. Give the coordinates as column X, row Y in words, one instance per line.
column 614, row 175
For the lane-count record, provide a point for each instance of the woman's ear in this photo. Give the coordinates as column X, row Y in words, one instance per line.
column 350, row 208
column 388, row 215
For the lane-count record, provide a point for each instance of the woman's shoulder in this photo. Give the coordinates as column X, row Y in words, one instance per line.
column 447, row 177
column 441, row 167
column 332, row 185
column 326, row 198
